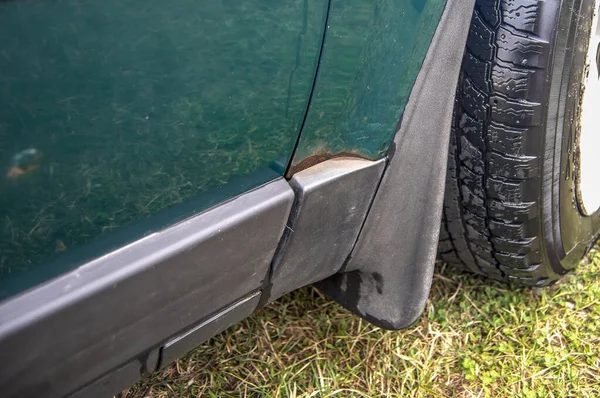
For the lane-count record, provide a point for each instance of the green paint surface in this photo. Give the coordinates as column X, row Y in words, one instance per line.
column 145, row 112
column 372, row 55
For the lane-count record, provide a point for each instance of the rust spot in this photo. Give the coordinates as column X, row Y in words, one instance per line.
column 15, row 172
column 321, row 157
column 24, row 162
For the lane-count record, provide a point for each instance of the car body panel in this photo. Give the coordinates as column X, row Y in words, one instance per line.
column 373, row 51
column 93, row 329
column 131, row 107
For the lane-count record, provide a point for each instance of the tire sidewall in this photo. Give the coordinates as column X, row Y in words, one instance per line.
column 567, row 232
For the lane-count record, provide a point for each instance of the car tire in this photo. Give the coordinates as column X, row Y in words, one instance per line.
column 513, row 211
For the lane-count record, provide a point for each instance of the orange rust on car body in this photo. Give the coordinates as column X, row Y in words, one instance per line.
column 15, row 172
column 321, row 157
column 24, row 162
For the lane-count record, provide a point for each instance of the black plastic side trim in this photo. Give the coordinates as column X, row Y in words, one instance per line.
column 65, row 334
column 388, row 276
column 117, row 380
column 185, row 342
column 332, row 201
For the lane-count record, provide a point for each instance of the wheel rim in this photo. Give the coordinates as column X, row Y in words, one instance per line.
column 588, row 184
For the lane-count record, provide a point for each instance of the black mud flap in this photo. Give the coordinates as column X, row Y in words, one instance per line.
column 387, row 278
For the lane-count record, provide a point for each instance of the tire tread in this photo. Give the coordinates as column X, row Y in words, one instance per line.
column 489, row 215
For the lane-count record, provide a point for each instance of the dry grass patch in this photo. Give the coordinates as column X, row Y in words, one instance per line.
column 475, row 339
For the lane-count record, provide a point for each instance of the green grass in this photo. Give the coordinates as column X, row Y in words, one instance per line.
column 475, row 339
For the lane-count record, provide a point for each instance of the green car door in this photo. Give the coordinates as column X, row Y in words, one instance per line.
column 119, row 118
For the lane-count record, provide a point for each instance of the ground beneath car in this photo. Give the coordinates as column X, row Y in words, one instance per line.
column 476, row 338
